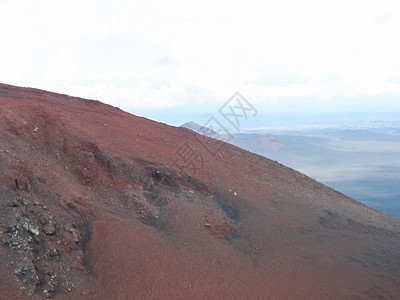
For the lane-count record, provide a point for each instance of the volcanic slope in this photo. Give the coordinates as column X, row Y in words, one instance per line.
column 96, row 203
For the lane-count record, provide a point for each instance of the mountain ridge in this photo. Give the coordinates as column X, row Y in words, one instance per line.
column 100, row 203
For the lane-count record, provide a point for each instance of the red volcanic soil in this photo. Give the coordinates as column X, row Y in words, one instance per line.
column 96, row 203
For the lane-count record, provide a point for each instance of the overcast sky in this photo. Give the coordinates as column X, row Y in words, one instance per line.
column 283, row 56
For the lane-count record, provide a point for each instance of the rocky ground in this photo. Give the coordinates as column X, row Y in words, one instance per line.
column 99, row 204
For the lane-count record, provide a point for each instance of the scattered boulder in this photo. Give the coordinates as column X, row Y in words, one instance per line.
column 49, row 229
column 27, row 274
column 30, row 226
column 54, row 253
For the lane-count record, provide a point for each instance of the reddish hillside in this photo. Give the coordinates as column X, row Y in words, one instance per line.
column 99, row 204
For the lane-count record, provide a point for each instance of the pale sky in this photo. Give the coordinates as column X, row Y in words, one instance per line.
column 283, row 56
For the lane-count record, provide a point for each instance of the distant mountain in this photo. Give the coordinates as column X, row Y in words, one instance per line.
column 96, row 203
column 362, row 164
column 257, row 143
column 200, row 129
column 192, row 126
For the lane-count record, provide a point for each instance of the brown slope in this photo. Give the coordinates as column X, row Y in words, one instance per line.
column 93, row 207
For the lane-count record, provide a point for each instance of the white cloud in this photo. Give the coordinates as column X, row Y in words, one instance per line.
column 161, row 54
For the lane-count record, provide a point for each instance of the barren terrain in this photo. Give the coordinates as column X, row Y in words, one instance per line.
column 99, row 204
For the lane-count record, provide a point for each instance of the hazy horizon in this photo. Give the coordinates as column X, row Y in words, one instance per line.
column 286, row 58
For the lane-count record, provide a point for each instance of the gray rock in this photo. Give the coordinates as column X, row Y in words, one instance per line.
column 27, row 274
column 49, row 229
column 30, row 226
